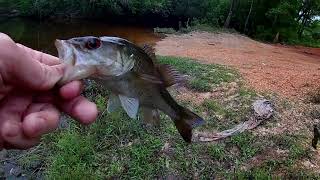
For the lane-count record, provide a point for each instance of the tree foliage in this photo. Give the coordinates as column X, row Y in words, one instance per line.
column 264, row 19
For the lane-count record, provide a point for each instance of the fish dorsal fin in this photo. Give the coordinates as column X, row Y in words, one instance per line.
column 150, row 51
column 130, row 105
column 170, row 75
column 113, row 103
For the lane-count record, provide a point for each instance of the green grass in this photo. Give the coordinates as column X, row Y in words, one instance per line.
column 203, row 77
column 216, row 108
column 119, row 147
column 247, row 93
column 217, row 151
column 259, row 174
column 293, row 144
column 165, row 30
column 305, row 41
column 315, row 96
column 75, row 159
column 194, row 27
column 246, row 145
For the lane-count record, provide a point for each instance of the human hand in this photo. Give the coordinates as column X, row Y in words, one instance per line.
column 30, row 104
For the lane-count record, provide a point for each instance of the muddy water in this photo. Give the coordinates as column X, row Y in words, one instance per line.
column 41, row 35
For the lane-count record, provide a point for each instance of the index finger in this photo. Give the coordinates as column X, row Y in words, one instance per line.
column 40, row 56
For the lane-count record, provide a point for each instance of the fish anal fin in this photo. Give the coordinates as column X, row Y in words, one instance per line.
column 130, row 105
column 170, row 75
column 150, row 116
column 113, row 103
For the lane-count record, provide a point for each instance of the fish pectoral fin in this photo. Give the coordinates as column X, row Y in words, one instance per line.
column 130, row 105
column 170, row 75
column 150, row 78
column 113, row 103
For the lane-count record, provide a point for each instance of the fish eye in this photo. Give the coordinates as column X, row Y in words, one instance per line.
column 93, row 44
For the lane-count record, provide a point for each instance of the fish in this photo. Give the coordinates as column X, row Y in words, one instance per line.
column 132, row 74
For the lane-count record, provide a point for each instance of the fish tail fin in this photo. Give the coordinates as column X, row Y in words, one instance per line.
column 186, row 121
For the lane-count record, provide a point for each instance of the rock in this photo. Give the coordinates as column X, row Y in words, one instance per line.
column 263, row 109
column 3, row 154
column 64, row 122
column 11, row 169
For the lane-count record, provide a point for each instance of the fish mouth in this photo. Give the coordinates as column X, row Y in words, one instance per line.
column 65, row 52
column 73, row 71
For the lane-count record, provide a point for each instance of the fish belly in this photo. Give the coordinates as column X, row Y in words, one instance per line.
column 148, row 94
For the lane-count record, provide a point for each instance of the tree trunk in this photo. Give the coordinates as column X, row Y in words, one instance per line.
column 301, row 29
column 274, row 21
column 304, row 22
column 228, row 20
column 248, row 17
column 276, row 38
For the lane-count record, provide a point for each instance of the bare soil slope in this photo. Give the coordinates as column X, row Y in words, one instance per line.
column 286, row 70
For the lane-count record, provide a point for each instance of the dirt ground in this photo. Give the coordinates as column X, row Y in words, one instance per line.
column 286, row 70
column 292, row 72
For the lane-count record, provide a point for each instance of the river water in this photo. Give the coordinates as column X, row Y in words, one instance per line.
column 41, row 35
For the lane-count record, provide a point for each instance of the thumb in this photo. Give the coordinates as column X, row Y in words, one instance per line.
column 34, row 75
column 20, row 67
column 44, row 77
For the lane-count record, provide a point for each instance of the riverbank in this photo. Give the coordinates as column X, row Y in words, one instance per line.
column 286, row 70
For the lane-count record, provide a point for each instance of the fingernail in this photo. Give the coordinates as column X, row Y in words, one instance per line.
column 86, row 112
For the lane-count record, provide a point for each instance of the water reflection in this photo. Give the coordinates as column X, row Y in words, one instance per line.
column 41, row 35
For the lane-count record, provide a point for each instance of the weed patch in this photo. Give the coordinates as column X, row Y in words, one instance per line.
column 315, row 96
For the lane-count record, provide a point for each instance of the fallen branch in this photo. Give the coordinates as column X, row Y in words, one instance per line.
column 263, row 111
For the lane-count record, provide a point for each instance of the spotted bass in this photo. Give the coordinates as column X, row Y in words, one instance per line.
column 133, row 76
